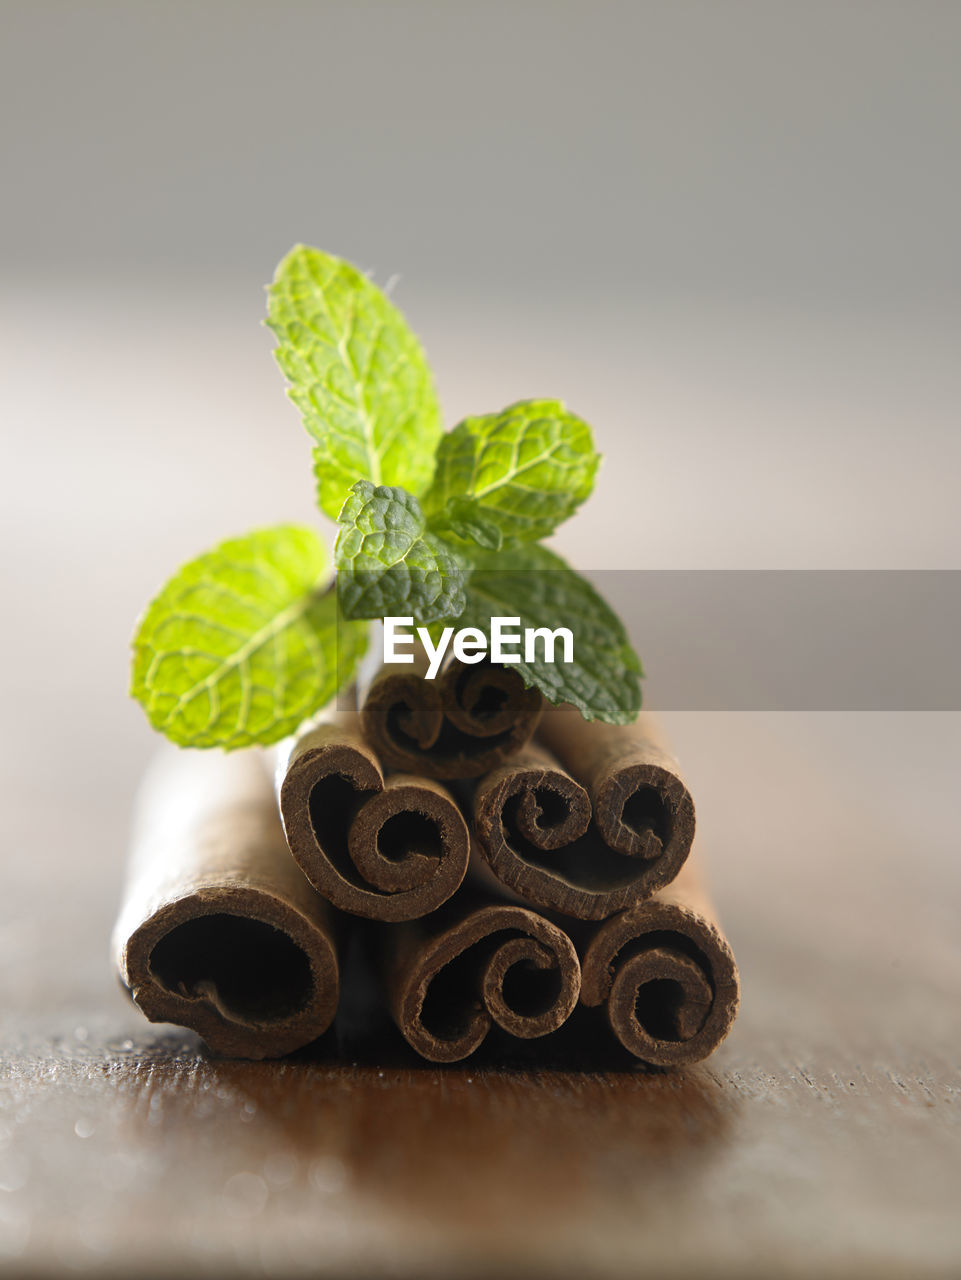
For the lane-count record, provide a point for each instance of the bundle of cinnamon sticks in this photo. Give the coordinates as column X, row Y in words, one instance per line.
column 520, row 867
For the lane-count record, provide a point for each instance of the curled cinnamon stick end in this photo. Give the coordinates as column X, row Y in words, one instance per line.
column 591, row 820
column 498, row 964
column 585, row 851
column 459, row 725
column 667, row 975
column 219, row 931
column 388, row 850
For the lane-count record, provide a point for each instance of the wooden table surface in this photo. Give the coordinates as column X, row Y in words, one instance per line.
column 823, row 1138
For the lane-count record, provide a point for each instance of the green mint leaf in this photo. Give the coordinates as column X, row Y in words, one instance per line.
column 241, row 645
column 388, row 563
column 460, row 520
column 536, row 585
column 525, row 469
column 357, row 374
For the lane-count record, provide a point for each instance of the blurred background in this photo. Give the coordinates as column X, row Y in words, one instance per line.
column 725, row 233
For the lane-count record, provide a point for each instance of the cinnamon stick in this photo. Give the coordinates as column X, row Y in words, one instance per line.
column 459, row 725
column 389, row 849
column 218, row 930
column 590, row 820
column 666, row 974
column 451, row 977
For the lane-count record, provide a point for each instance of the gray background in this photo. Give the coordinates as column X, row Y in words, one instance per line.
column 753, row 150
column 726, row 233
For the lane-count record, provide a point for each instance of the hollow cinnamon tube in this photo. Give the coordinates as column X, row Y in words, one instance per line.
column 459, row 725
column 589, row 820
column 389, row 849
column 666, row 974
column 452, row 976
column 218, row 930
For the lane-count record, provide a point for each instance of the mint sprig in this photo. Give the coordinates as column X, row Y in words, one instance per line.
column 248, row 640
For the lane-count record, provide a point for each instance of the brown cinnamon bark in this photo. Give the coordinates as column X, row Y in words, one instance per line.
column 218, row 930
column 666, row 974
column 390, row 849
column 459, row 725
column 451, row 977
column 590, row 820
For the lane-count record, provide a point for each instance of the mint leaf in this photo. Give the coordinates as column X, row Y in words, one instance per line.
column 525, row 469
column 536, row 585
column 357, row 374
column 460, row 520
column 240, row 646
column 389, row 564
